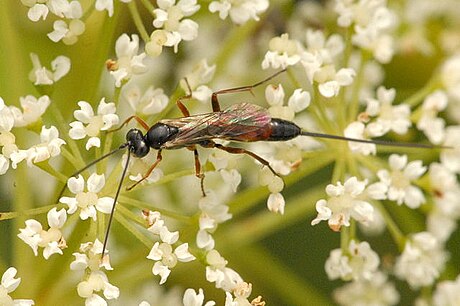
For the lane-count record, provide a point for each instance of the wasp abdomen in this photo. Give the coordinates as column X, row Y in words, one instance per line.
column 283, row 130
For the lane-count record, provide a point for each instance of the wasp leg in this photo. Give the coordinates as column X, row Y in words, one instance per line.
column 198, row 172
column 232, row 150
column 215, row 101
column 147, row 174
column 138, row 119
column 181, row 105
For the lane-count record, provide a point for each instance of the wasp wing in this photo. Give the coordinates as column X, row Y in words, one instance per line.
column 240, row 122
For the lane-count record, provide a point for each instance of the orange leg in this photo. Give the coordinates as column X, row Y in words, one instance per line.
column 198, row 172
column 215, row 102
column 138, row 119
column 147, row 174
column 233, row 150
column 181, row 105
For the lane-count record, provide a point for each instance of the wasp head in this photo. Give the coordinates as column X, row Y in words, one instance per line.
column 136, row 143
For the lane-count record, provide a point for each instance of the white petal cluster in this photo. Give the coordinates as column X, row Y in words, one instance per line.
column 345, row 201
column 50, row 146
column 218, row 273
column 450, row 76
column 138, row 167
column 192, row 298
column 240, row 11
column 275, row 185
column 359, row 262
column 94, row 280
column 447, row 293
column 68, row 30
column 8, row 284
column 385, row 116
column 429, row 122
column 375, row 291
column 169, row 18
column 213, row 212
column 32, row 110
column 7, row 139
column 10, row 117
column 87, row 201
column 422, row 260
column 39, row 9
column 372, row 22
column 40, row 75
column 128, row 62
column 201, row 74
column 107, row 5
column 90, row 124
column 399, row 180
column 152, row 101
column 164, row 253
column 50, row 240
column 282, row 52
column 442, row 219
column 357, row 130
column 451, row 157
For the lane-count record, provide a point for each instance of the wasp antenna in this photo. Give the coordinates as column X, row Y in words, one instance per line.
column 106, row 238
column 377, row 142
column 89, row 165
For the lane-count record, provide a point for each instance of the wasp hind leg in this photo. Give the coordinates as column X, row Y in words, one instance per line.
column 198, row 172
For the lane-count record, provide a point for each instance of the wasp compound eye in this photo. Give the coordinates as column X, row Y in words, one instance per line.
column 136, row 142
column 159, row 134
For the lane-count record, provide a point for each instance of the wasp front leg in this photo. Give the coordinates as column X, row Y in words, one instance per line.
column 137, row 118
column 147, row 174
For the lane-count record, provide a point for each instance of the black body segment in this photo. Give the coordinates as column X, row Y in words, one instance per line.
column 282, row 130
column 160, row 133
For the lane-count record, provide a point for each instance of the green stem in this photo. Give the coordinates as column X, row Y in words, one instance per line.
column 419, row 96
column 138, row 21
column 148, row 6
column 133, row 230
column 394, row 230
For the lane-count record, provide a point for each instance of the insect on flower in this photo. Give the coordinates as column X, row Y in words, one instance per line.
column 243, row 122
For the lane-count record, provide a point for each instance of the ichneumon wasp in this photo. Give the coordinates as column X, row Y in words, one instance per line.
column 243, row 122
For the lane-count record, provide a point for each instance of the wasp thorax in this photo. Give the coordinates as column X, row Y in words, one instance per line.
column 137, row 143
column 159, row 134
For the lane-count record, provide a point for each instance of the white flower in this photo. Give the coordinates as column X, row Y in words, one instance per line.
column 201, row 74
column 357, row 130
column 191, row 298
column 451, row 157
column 429, row 123
column 389, row 117
column 282, row 52
column 240, row 11
column 359, row 262
column 6, row 117
column 218, row 273
column 101, row 5
column 40, row 8
column 399, row 180
column 212, row 214
column 51, row 240
column 41, row 76
column 94, row 280
column 372, row 22
column 151, row 102
column 33, row 109
column 344, row 203
column 8, row 285
column 166, row 258
column 375, row 291
column 442, row 219
column 69, row 33
column 447, row 293
column 169, row 17
column 422, row 260
column 103, row 121
column 139, row 166
column 450, row 76
column 50, row 146
column 128, row 62
column 87, row 201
